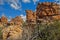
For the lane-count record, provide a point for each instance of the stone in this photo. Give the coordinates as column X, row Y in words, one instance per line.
column 12, row 33
column 16, row 21
column 4, row 20
column 48, row 11
column 31, row 17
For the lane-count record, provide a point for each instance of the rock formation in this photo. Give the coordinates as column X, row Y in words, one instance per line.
column 4, row 20
column 14, row 30
column 16, row 21
column 31, row 20
column 31, row 17
column 12, row 33
column 48, row 11
column 11, row 22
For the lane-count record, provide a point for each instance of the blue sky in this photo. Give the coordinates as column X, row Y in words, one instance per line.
column 13, row 8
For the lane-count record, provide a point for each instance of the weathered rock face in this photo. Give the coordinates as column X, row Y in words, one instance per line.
column 4, row 20
column 31, row 20
column 31, row 16
column 48, row 10
column 12, row 33
column 16, row 21
column 11, row 22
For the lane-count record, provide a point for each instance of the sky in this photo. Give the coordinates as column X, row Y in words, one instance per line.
column 13, row 8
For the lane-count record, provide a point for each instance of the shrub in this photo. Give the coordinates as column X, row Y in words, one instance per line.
column 49, row 32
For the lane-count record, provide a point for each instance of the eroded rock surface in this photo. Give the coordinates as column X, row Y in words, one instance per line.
column 16, row 21
column 48, row 11
column 31, row 16
column 4, row 20
column 12, row 33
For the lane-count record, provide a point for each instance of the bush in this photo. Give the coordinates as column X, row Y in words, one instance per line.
column 49, row 32
column 0, row 33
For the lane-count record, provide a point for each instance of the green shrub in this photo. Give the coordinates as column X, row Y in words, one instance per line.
column 50, row 32
column 0, row 33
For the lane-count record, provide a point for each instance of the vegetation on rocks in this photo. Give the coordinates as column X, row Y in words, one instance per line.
column 43, row 24
column 49, row 32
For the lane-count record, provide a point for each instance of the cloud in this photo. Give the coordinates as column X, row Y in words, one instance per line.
column 57, row 1
column 26, row 1
column 23, row 17
column 16, row 4
column 35, row 1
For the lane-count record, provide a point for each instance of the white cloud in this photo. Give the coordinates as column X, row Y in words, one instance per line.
column 26, row 1
column 16, row 4
column 57, row 1
column 23, row 16
column 35, row 1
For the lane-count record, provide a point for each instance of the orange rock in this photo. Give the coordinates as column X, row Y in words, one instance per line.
column 47, row 9
column 11, row 21
column 4, row 20
column 12, row 32
column 31, row 16
column 16, row 21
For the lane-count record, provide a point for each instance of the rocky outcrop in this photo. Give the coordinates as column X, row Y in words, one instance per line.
column 11, row 22
column 4, row 20
column 16, row 21
column 12, row 33
column 31, row 16
column 29, row 30
column 13, row 29
column 48, row 11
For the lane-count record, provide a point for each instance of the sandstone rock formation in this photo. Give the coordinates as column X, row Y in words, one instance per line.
column 47, row 11
column 16, row 21
column 4, row 20
column 31, row 17
column 31, row 20
column 12, row 33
